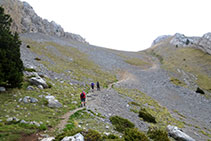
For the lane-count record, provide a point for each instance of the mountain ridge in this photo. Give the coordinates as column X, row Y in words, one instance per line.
column 26, row 20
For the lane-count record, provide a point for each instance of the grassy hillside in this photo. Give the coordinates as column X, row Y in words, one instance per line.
column 188, row 67
column 65, row 60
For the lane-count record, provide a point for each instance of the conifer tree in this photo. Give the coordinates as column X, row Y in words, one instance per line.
column 11, row 66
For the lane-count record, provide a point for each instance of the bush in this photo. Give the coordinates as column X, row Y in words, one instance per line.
column 11, row 66
column 120, row 123
column 92, row 135
column 146, row 116
column 134, row 135
column 158, row 134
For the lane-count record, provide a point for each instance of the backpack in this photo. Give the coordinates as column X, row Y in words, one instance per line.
column 82, row 95
column 92, row 84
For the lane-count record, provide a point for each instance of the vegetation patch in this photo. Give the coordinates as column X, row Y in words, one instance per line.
column 158, row 134
column 162, row 115
column 120, row 123
column 92, row 135
column 29, row 69
column 133, row 134
column 137, row 62
column 177, row 82
column 146, row 116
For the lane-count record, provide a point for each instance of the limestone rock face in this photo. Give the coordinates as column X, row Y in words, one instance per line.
column 205, row 43
column 26, row 20
column 180, row 40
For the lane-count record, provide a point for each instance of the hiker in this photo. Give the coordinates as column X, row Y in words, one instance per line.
column 83, row 98
column 98, row 86
column 92, row 86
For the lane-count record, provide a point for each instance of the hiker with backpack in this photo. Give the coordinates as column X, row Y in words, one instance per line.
column 83, row 98
column 98, row 86
column 92, row 86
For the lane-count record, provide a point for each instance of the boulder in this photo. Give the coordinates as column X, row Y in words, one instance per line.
column 177, row 134
column 2, row 89
column 38, row 81
column 26, row 99
column 77, row 137
column 54, row 103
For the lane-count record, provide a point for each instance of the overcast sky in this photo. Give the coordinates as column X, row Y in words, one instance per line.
column 129, row 25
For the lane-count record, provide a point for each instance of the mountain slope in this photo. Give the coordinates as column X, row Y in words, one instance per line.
column 162, row 80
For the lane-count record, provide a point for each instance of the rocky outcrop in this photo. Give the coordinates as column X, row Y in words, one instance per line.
column 160, row 39
column 180, row 40
column 205, row 43
column 26, row 20
column 178, row 134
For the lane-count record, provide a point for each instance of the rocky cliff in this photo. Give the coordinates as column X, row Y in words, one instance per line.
column 26, row 20
column 180, row 40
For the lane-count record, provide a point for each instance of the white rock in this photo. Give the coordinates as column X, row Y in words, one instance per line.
column 38, row 81
column 178, row 134
column 48, row 139
column 10, row 119
column 2, row 89
column 77, row 137
column 107, row 127
column 106, row 133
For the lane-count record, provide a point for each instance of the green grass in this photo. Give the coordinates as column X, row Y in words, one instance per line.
column 162, row 115
column 137, row 62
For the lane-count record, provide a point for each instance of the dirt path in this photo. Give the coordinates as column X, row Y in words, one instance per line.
column 65, row 118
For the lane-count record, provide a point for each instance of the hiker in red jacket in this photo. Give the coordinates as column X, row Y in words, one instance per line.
column 83, row 98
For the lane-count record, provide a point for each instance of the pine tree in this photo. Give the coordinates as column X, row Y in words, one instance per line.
column 11, row 66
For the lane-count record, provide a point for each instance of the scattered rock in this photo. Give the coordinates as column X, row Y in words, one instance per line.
column 30, row 88
column 54, row 103
column 28, row 99
column 106, row 133
column 178, row 134
column 2, row 89
column 38, row 81
column 77, row 137
column 107, row 127
column 23, row 121
column 74, row 102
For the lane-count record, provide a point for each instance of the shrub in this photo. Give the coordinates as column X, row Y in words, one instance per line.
column 158, row 134
column 134, row 135
column 11, row 66
column 37, row 59
column 146, row 116
column 28, row 46
column 92, row 135
column 112, row 136
column 120, row 123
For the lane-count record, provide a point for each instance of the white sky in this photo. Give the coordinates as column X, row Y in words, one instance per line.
column 129, row 25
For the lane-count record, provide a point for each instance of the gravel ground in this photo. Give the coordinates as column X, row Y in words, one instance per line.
column 154, row 82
